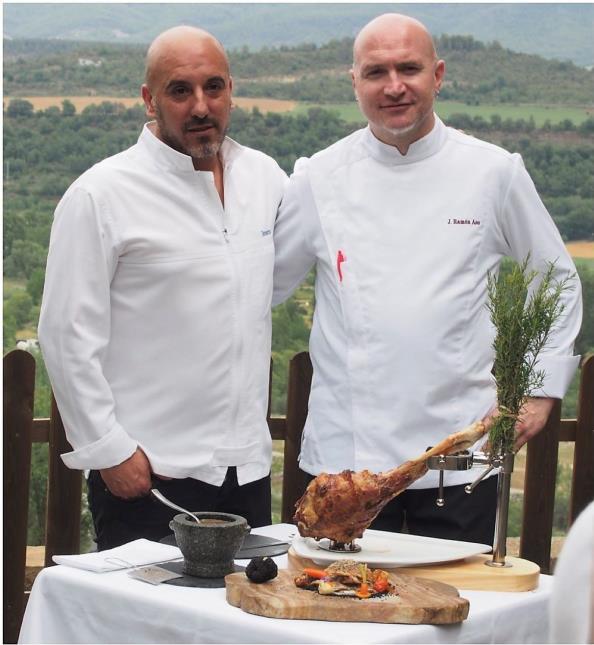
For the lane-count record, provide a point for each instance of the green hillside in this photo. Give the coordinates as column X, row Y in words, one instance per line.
column 553, row 30
column 476, row 72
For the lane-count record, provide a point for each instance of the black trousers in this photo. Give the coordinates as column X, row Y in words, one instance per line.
column 469, row 518
column 118, row 521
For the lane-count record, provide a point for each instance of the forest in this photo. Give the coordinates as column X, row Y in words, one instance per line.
column 45, row 150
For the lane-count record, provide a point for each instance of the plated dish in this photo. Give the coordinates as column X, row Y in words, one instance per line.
column 384, row 549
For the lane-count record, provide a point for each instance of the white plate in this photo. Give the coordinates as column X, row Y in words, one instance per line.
column 385, row 549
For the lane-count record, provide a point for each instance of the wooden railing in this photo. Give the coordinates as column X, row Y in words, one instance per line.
column 21, row 430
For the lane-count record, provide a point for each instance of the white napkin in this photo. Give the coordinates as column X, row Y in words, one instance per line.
column 133, row 554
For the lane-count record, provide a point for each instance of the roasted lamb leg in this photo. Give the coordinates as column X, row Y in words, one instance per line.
column 341, row 506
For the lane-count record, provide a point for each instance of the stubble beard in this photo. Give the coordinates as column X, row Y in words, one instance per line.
column 405, row 130
column 206, row 150
column 199, row 150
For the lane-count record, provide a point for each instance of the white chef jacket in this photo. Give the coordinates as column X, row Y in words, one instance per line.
column 401, row 342
column 155, row 322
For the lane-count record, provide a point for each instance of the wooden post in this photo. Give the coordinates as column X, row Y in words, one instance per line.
column 19, row 386
column 294, row 480
column 582, row 488
column 62, row 535
column 539, row 492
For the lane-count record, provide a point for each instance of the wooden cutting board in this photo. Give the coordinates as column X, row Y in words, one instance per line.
column 470, row 573
column 418, row 601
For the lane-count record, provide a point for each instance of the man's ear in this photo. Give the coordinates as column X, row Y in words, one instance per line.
column 353, row 84
column 232, row 103
column 147, row 97
column 439, row 74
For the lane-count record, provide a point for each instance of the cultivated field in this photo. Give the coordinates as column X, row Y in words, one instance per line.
column 347, row 111
column 81, row 102
column 350, row 111
column 581, row 250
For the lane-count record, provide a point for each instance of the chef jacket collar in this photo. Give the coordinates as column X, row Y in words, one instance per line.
column 417, row 151
column 174, row 161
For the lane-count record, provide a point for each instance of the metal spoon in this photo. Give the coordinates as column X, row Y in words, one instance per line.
column 169, row 503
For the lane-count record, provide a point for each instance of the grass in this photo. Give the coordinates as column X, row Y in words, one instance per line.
column 587, row 263
column 540, row 113
column 555, row 114
column 13, row 283
column 350, row 112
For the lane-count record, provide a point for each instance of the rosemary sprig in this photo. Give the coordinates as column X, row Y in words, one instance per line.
column 523, row 328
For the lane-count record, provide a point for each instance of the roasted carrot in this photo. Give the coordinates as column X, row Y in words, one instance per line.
column 315, row 573
column 363, row 591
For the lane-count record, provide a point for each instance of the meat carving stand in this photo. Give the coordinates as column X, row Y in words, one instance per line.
column 465, row 460
column 505, row 574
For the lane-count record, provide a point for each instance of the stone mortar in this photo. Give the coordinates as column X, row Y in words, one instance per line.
column 209, row 549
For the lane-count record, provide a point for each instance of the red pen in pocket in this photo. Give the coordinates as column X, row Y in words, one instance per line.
column 340, row 258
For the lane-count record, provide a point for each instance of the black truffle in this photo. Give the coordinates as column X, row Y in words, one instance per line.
column 261, row 569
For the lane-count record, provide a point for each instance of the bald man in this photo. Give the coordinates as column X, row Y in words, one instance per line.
column 155, row 322
column 403, row 221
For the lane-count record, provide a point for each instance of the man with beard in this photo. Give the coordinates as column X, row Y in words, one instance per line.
column 155, row 322
column 404, row 220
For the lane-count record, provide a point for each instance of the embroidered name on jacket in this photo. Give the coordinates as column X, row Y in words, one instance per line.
column 471, row 222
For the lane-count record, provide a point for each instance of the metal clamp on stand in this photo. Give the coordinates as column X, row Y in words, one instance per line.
column 465, row 460
column 481, row 458
column 462, row 460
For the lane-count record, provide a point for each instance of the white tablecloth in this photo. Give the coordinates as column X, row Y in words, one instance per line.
column 69, row 605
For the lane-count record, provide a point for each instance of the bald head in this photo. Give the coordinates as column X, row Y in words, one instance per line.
column 396, row 76
column 390, row 26
column 183, row 38
column 187, row 91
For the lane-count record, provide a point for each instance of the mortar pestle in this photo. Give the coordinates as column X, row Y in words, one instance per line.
column 209, row 548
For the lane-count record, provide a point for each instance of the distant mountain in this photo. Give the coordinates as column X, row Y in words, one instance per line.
column 560, row 30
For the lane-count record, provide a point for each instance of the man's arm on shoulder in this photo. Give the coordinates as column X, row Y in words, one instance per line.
column 74, row 331
column 294, row 255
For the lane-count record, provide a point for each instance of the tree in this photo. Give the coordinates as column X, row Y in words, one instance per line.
column 18, row 305
column 15, row 228
column 25, row 256
column 9, row 330
column 19, row 108
column 585, row 340
column 35, row 285
column 68, row 108
column 587, row 126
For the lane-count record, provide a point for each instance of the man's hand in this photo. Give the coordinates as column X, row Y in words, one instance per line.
column 131, row 478
column 532, row 419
